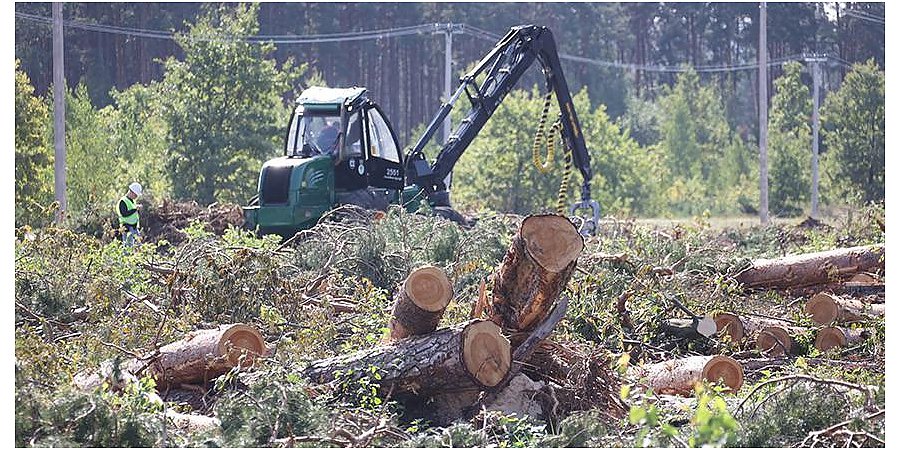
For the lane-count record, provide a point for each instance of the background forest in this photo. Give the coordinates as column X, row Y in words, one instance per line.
column 158, row 92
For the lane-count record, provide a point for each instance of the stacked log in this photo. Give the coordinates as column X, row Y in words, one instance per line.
column 534, row 272
column 467, row 356
column 420, row 302
column 678, row 376
column 826, row 309
column 797, row 271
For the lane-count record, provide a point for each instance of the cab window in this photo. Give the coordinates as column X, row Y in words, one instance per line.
column 311, row 135
column 381, row 141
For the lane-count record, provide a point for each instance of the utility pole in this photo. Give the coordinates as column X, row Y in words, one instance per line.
column 59, row 113
column 816, row 75
column 763, row 80
column 448, row 74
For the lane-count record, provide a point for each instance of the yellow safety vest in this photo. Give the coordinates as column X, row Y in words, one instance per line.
column 131, row 219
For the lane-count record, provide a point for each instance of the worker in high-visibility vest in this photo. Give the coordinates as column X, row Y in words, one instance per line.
column 128, row 214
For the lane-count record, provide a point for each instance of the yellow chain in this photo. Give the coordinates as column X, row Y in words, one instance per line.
column 550, row 138
column 539, row 136
column 563, row 193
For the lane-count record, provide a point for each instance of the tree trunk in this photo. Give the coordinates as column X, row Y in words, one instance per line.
column 678, row 376
column 809, row 269
column 773, row 337
column 826, row 309
column 420, row 302
column 201, row 356
column 830, row 337
column 205, row 354
column 537, row 266
column 468, row 356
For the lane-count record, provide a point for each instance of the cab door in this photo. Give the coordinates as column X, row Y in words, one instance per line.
column 383, row 160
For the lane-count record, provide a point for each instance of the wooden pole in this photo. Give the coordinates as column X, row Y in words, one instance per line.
column 763, row 78
column 59, row 113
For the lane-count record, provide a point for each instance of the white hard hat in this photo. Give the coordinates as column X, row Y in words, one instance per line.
column 136, row 188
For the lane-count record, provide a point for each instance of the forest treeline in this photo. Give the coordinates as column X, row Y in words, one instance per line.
column 194, row 118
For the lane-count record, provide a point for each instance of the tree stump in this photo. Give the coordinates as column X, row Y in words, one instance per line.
column 537, row 266
column 205, row 354
column 420, row 302
column 826, row 309
column 830, row 337
column 468, row 356
column 678, row 376
column 809, row 269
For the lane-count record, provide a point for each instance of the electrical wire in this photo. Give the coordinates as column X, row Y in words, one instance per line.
column 388, row 33
column 863, row 16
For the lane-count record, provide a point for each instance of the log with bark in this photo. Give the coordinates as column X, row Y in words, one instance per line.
column 773, row 337
column 201, row 356
column 796, row 271
column 678, row 376
column 420, row 302
column 830, row 337
column 467, row 356
column 206, row 354
column 826, row 309
column 535, row 270
column 777, row 339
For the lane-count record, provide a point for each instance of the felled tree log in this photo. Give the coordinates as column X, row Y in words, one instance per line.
column 808, row 269
column 826, row 309
column 537, row 266
column 777, row 339
column 830, row 337
column 201, row 356
column 420, row 302
column 679, row 376
column 205, row 354
column 697, row 328
column 773, row 337
column 471, row 355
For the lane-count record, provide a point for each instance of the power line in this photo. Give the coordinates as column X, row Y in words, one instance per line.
column 387, row 33
column 865, row 17
column 274, row 39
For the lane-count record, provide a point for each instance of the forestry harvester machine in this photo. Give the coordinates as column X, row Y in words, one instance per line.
column 341, row 149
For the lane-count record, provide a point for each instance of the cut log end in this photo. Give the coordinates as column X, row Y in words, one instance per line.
column 429, row 288
column 731, row 325
column 774, row 341
column 706, row 326
column 486, row 353
column 830, row 337
column 724, row 370
column 823, row 308
column 865, row 278
column 552, row 241
column 237, row 340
